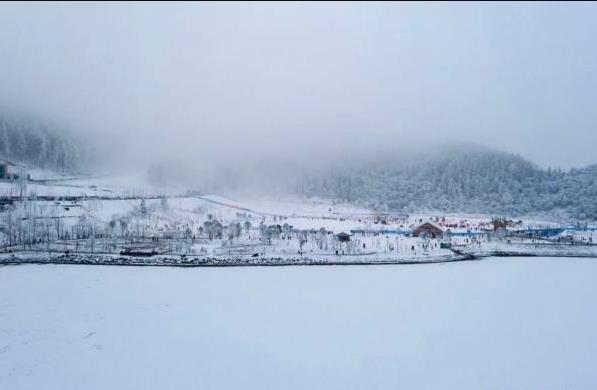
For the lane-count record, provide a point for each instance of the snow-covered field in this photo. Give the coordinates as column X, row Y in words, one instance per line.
column 111, row 214
column 497, row 324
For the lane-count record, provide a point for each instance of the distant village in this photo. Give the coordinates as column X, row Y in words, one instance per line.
column 68, row 216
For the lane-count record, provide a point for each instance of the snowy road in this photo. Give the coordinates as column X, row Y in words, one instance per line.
column 503, row 323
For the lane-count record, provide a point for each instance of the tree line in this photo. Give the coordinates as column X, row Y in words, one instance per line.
column 462, row 180
column 29, row 141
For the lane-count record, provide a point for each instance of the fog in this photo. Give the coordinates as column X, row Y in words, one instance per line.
column 217, row 83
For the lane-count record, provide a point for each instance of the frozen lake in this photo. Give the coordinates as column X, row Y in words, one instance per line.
column 501, row 323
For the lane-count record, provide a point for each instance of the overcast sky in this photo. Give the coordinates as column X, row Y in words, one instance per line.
column 309, row 80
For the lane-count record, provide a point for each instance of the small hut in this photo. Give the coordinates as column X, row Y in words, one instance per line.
column 5, row 171
column 343, row 237
column 5, row 168
column 428, row 229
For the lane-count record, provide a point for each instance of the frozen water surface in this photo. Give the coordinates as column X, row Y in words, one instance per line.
column 501, row 323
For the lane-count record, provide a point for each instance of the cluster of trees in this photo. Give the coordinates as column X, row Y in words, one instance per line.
column 31, row 223
column 470, row 181
column 214, row 229
column 29, row 141
column 40, row 225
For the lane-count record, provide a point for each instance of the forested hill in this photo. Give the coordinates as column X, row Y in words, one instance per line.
column 31, row 142
column 462, row 180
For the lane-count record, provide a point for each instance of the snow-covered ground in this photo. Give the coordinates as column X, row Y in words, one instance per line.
column 111, row 213
column 498, row 324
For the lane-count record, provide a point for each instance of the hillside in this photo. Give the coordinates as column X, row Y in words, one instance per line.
column 36, row 144
column 462, row 180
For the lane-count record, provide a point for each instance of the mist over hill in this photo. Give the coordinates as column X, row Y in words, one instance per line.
column 31, row 141
column 461, row 179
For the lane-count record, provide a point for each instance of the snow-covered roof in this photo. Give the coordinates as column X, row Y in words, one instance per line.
column 428, row 223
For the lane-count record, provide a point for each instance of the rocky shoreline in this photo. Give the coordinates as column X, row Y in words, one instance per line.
column 196, row 261
column 25, row 257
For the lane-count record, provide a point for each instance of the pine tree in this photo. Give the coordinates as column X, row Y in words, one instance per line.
column 20, row 149
column 4, row 140
column 42, row 157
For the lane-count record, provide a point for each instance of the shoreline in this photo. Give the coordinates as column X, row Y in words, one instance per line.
column 119, row 260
